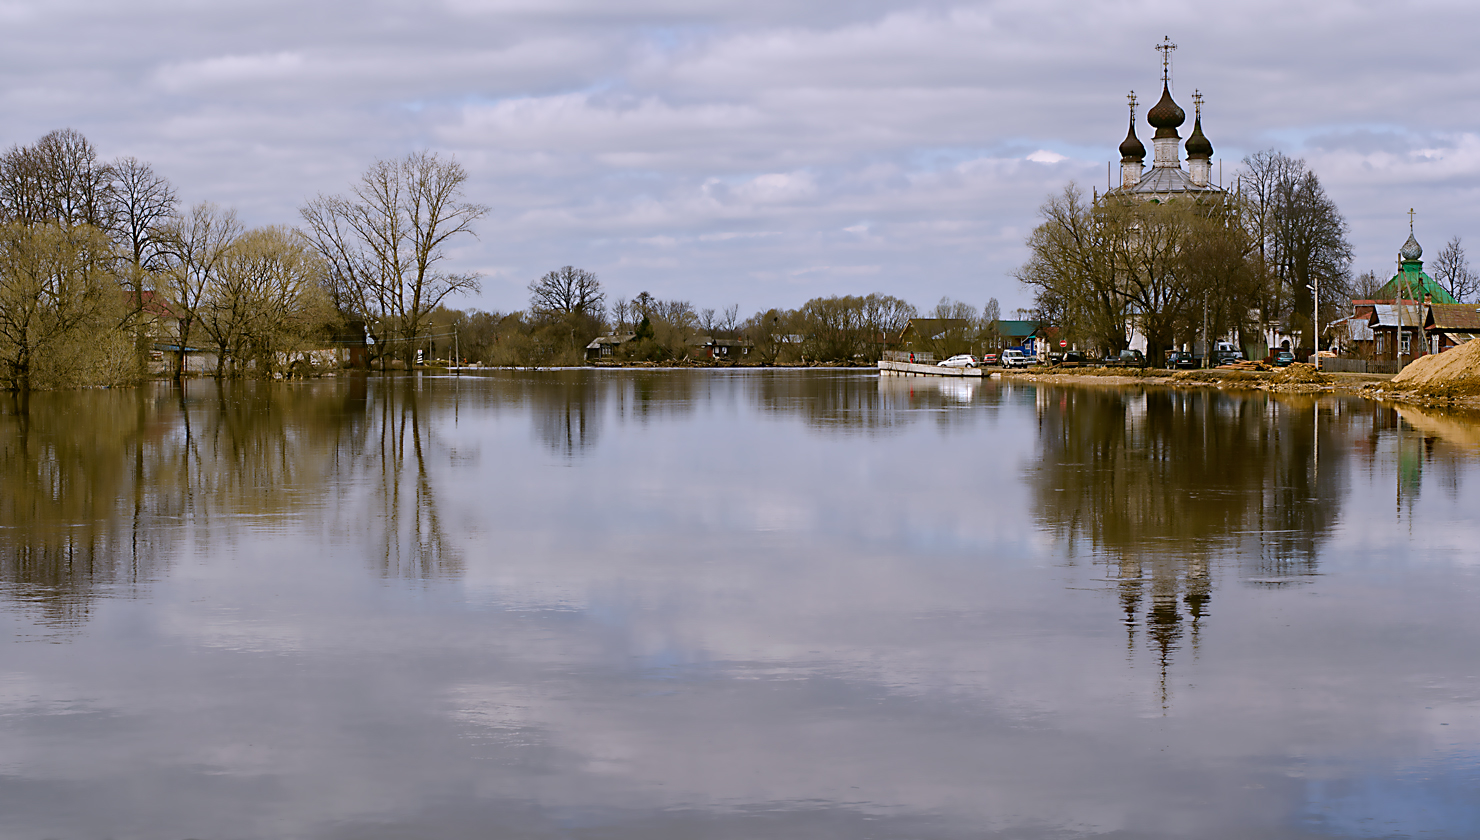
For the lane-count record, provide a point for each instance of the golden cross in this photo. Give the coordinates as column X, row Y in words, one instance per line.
column 1410, row 221
column 1165, row 47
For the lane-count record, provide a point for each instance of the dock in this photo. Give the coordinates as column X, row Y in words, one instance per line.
column 887, row 368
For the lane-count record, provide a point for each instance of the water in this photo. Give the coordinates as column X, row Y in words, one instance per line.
column 681, row 604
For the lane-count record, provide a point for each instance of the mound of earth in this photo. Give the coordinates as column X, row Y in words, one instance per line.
column 1456, row 368
column 1299, row 373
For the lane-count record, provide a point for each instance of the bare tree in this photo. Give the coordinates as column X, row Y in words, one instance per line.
column 384, row 242
column 1452, row 269
column 196, row 245
column 730, row 319
column 567, row 291
column 143, row 201
column 1300, row 235
column 264, row 299
column 1365, row 285
column 992, row 311
column 57, row 180
column 142, row 204
column 708, row 321
column 621, row 311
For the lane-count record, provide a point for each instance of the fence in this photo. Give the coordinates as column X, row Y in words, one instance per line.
column 907, row 356
column 1358, row 366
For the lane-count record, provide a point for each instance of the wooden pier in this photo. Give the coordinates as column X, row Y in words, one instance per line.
column 887, row 368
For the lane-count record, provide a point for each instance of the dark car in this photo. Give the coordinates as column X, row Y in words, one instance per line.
column 1182, row 359
column 1284, row 358
column 1127, row 358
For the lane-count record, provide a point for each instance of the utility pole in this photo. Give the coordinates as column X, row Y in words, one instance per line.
column 456, row 352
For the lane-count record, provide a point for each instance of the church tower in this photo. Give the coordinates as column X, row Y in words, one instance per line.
column 1166, row 179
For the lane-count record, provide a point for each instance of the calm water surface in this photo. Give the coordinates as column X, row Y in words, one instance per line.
column 680, row 604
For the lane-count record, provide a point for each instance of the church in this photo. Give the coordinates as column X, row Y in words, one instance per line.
column 1166, row 179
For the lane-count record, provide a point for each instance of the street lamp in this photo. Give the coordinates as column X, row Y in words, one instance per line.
column 1315, row 316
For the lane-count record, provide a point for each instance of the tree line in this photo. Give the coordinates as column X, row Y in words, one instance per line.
column 1235, row 263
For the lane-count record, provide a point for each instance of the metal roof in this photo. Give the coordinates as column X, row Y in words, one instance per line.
column 1454, row 316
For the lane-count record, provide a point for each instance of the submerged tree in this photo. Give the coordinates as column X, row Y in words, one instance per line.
column 58, row 303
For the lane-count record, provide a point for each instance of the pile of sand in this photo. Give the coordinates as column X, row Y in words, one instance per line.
column 1459, row 367
column 1301, row 373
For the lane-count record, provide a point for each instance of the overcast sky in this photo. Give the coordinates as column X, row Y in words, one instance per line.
column 759, row 152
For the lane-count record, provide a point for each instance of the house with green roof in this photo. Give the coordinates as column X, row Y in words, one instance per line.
column 1411, row 282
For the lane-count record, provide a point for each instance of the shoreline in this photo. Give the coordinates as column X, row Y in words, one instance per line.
column 1296, row 379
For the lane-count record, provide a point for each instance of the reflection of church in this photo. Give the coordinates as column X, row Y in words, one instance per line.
column 1167, row 179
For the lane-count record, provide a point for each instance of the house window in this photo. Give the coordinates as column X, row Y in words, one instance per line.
column 1404, row 343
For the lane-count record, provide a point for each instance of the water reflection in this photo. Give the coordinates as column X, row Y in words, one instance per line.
column 774, row 603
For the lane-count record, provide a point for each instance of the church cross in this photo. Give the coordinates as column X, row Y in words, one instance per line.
column 1165, row 48
column 1410, row 221
column 1197, row 100
column 1131, row 97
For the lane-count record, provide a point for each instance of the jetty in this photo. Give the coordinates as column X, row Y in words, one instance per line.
column 891, row 368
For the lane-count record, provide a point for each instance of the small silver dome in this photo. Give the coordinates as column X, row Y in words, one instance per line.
column 1411, row 250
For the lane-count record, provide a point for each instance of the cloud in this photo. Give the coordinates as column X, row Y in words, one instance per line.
column 753, row 135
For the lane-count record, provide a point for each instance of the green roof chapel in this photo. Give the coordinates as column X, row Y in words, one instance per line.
column 1411, row 282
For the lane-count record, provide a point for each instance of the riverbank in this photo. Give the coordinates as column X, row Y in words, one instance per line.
column 1297, row 378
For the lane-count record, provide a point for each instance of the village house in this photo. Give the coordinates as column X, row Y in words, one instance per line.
column 604, row 346
column 1451, row 324
column 720, row 349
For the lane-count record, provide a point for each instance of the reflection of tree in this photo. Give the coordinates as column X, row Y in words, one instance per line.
column 1163, row 482
column 97, row 488
column 65, row 526
column 843, row 401
column 410, row 541
column 566, row 408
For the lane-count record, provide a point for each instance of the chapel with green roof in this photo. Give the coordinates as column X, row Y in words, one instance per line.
column 1411, row 282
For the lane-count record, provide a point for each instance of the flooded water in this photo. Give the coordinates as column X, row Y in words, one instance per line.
column 769, row 604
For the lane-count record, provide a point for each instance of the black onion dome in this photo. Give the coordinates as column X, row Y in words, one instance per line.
column 1166, row 115
column 1411, row 250
column 1198, row 145
column 1131, row 149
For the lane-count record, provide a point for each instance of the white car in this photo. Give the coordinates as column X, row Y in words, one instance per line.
column 965, row 360
column 1014, row 358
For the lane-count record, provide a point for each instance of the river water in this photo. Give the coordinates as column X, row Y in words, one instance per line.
column 701, row 604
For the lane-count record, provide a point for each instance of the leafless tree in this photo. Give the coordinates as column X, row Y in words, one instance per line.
column 263, row 299
column 57, row 180
column 992, row 311
column 384, row 243
column 196, row 244
column 729, row 320
column 1299, row 233
column 1365, row 286
column 621, row 311
column 1452, row 269
column 143, row 201
column 707, row 321
column 567, row 291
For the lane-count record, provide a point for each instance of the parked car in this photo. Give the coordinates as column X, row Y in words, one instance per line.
column 1069, row 357
column 1012, row 357
column 1184, row 359
column 989, row 358
column 965, row 360
column 1127, row 358
column 1284, row 358
column 1224, row 352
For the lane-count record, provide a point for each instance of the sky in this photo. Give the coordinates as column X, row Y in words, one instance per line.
column 755, row 152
